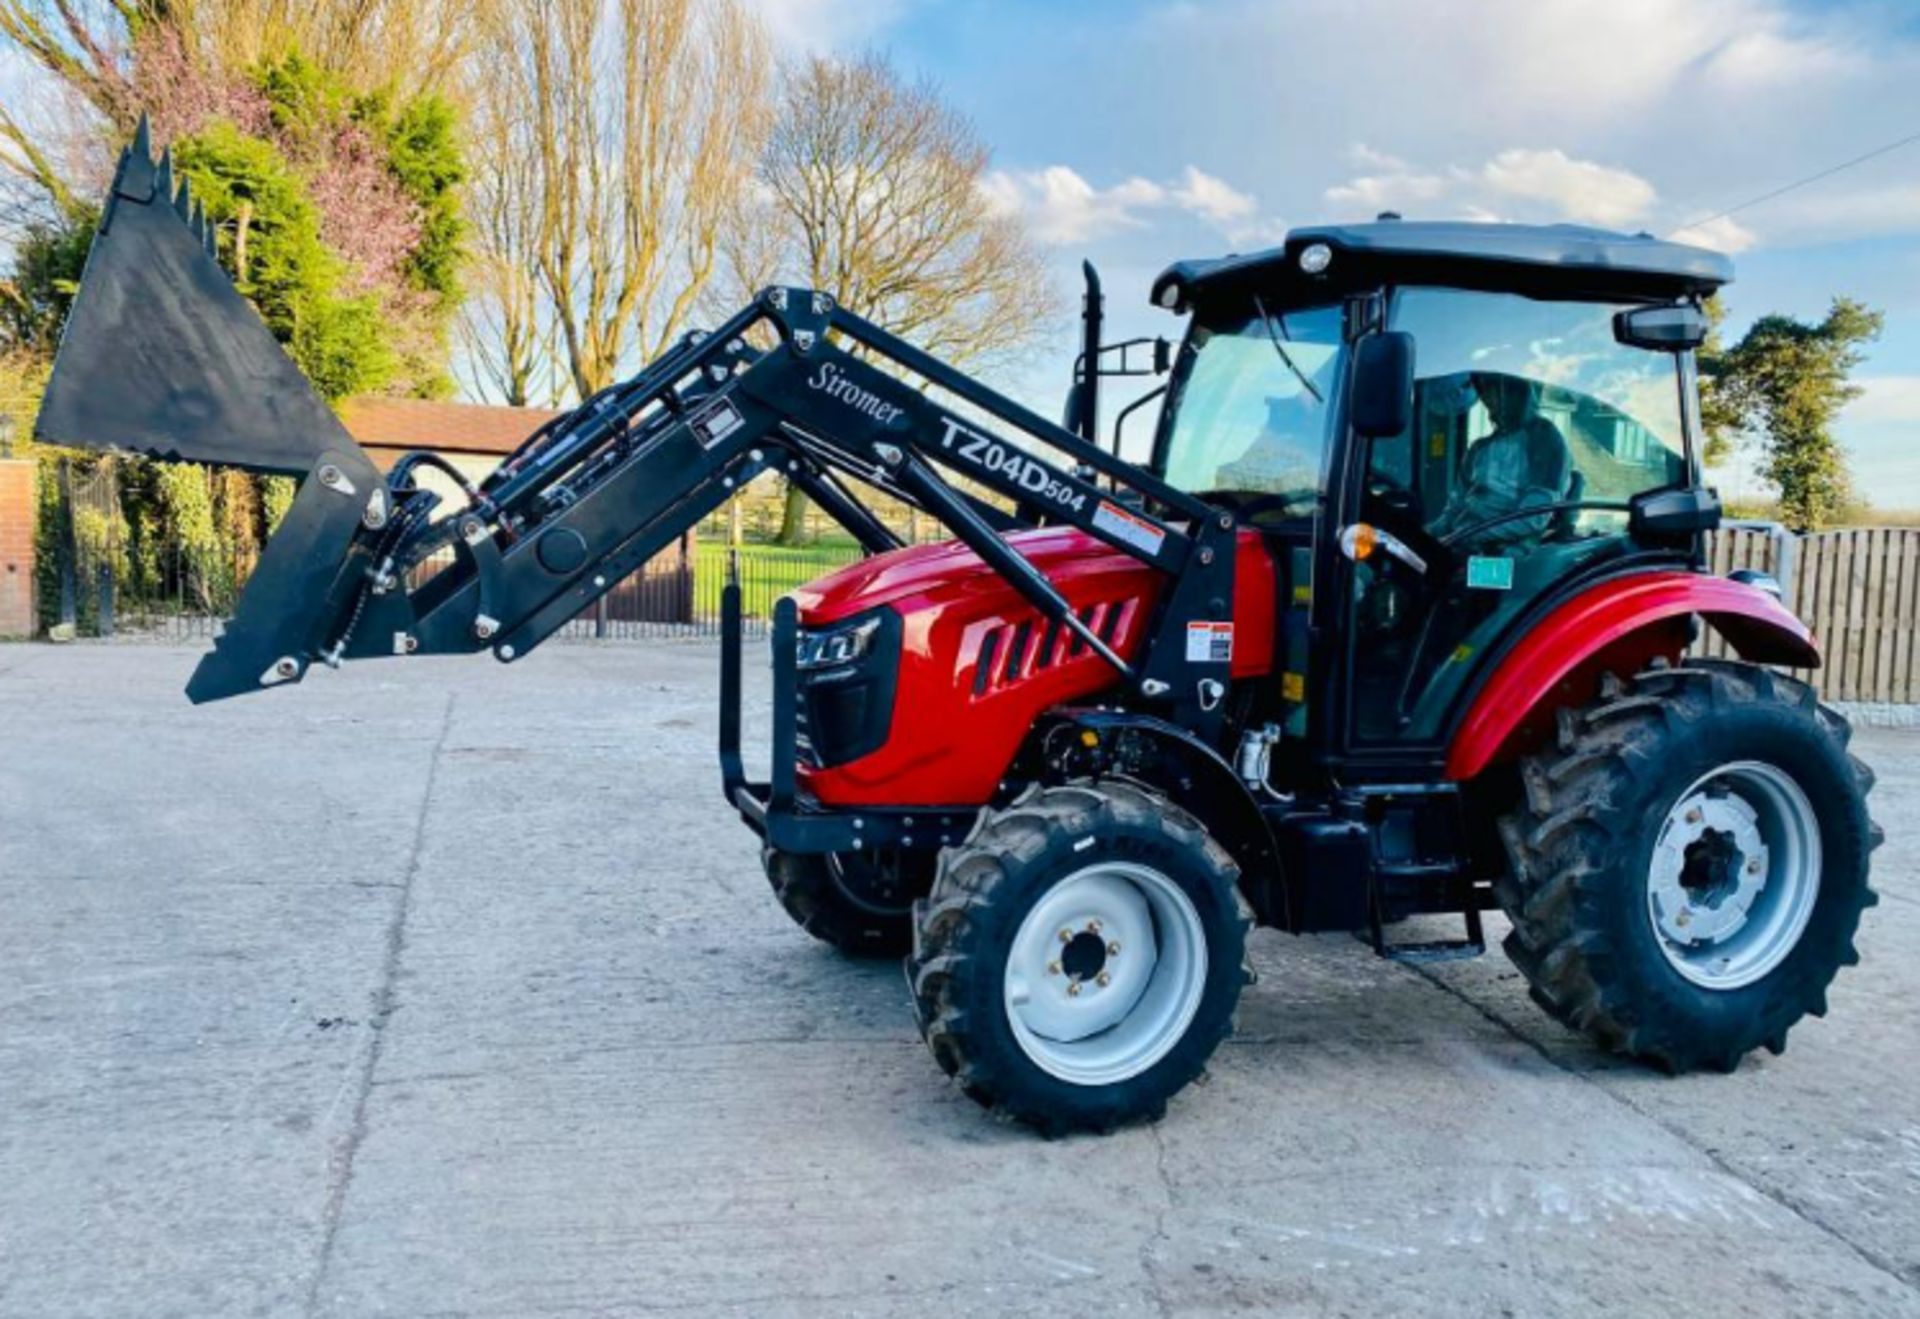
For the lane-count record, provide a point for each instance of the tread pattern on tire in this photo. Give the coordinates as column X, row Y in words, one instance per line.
column 968, row 875
column 1558, row 844
column 806, row 893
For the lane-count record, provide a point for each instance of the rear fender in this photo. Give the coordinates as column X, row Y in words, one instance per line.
column 1082, row 743
column 1620, row 626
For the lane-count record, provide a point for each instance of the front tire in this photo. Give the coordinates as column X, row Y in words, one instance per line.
column 1080, row 957
column 860, row 902
column 1689, row 864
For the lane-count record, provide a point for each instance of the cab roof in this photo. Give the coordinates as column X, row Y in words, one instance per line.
column 1558, row 260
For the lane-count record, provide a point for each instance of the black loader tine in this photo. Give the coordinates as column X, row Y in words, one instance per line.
column 203, row 227
column 143, row 138
column 134, row 179
column 183, row 202
column 163, row 177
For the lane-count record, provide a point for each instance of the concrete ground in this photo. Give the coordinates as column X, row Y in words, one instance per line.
column 443, row 988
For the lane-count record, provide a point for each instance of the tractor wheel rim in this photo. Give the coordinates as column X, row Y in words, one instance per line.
column 1734, row 875
column 1106, row 973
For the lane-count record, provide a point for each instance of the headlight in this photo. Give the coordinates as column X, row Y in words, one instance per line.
column 827, row 647
column 847, row 673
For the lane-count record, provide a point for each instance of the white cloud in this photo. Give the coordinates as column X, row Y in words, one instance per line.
column 827, row 26
column 1722, row 233
column 1517, row 183
column 1406, row 190
column 1577, row 189
column 1213, row 199
column 1838, row 211
column 1886, row 399
column 1767, row 56
column 1362, row 156
column 1060, row 206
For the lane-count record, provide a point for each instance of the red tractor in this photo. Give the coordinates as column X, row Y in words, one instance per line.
column 1396, row 621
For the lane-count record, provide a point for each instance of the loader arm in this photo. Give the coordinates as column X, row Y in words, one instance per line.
column 792, row 383
column 617, row 481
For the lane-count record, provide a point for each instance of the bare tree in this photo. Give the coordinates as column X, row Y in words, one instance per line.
column 870, row 191
column 641, row 121
column 505, row 331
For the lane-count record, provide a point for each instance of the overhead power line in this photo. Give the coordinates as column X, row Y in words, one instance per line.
column 1784, row 189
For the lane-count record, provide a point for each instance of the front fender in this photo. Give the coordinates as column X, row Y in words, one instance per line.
column 1626, row 621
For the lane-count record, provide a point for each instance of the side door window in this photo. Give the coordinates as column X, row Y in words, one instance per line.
column 1532, row 430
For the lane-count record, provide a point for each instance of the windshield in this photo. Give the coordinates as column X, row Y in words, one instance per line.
column 1250, row 404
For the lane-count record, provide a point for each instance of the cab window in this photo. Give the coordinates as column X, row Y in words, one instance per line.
column 1532, row 429
column 1523, row 403
column 1250, row 409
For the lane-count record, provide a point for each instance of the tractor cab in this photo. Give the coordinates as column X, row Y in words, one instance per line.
column 1441, row 430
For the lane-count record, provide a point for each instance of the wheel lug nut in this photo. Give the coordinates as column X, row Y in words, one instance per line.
column 1693, row 816
column 1093, row 927
column 1113, row 949
column 1066, row 936
column 1073, row 990
column 1053, row 968
column 1103, row 979
column 1753, row 866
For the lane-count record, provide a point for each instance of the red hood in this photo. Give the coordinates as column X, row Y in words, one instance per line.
column 948, row 567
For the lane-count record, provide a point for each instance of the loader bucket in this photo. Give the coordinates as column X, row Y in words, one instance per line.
column 162, row 356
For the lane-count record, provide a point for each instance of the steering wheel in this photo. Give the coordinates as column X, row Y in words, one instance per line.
column 1249, row 509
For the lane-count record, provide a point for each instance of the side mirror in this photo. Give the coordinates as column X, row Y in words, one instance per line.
column 1383, row 384
column 1673, row 514
column 1673, row 329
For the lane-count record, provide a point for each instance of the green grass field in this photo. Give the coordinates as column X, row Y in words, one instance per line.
column 767, row 572
column 781, row 566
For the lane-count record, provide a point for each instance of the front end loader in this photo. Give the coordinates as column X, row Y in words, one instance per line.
column 1397, row 621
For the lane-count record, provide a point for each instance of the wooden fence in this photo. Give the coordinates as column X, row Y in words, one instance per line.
column 1859, row 590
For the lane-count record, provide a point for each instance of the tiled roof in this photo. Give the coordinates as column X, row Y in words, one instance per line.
column 411, row 423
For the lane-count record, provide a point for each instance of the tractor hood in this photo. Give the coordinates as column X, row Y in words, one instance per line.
column 905, row 577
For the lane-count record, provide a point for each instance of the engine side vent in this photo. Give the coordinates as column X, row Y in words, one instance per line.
column 1017, row 649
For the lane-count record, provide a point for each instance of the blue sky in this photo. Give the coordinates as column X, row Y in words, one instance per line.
column 1135, row 133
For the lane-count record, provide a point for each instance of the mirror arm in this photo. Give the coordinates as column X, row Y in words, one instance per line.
column 1120, row 421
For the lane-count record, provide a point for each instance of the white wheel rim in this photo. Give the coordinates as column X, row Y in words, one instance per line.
column 1106, row 973
column 1734, row 875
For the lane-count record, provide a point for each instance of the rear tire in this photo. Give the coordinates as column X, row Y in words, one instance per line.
column 860, row 902
column 1689, row 864
column 1071, row 894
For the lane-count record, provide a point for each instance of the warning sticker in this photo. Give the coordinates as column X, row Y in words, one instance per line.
column 1209, row 643
column 716, row 423
column 1130, row 529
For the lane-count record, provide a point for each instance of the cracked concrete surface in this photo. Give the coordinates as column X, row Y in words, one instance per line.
column 443, row 988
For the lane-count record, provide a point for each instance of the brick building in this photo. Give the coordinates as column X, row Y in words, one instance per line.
column 16, row 546
column 472, row 436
